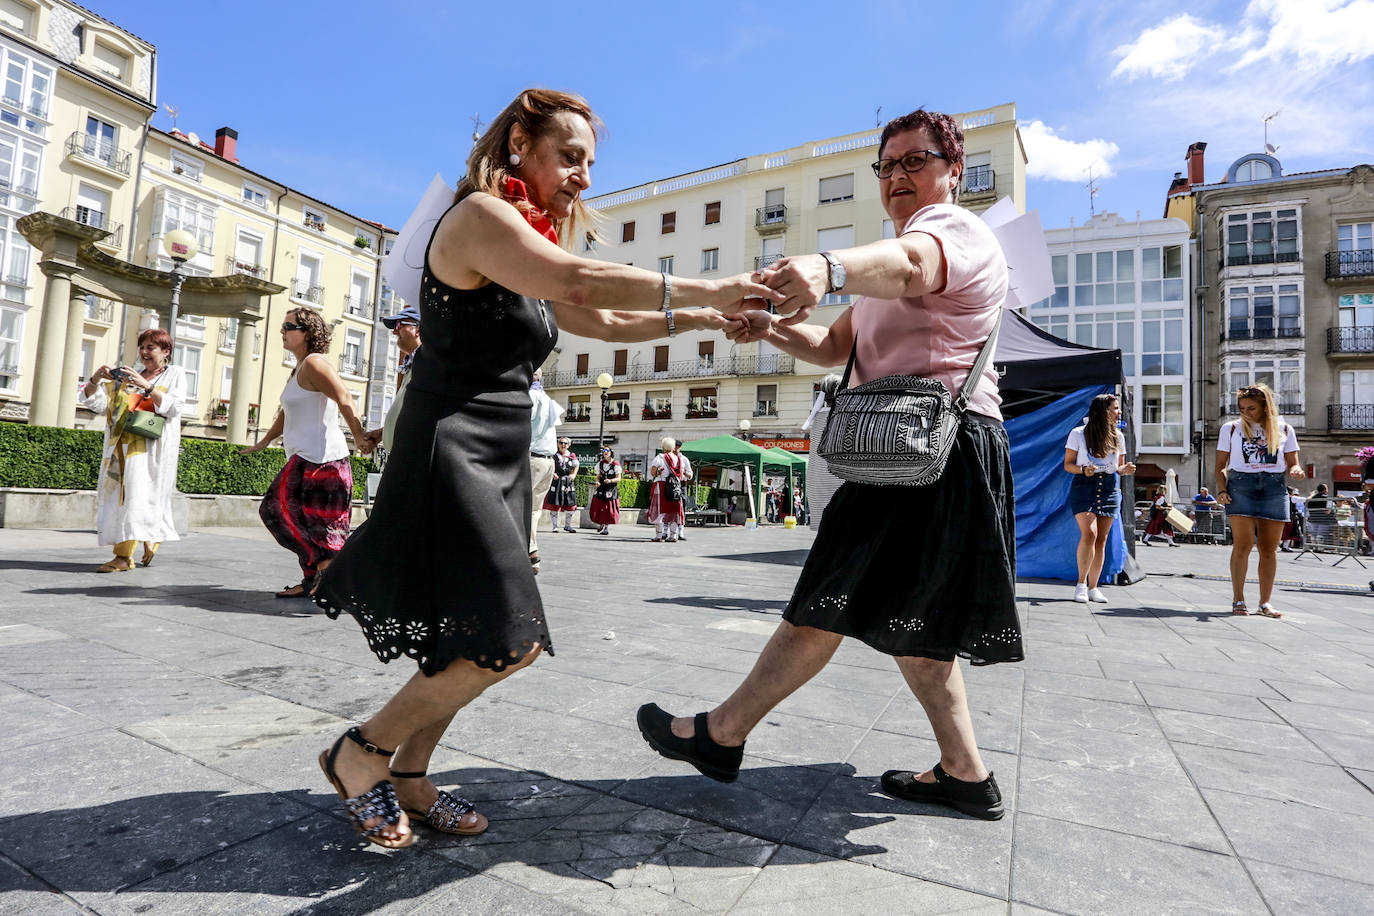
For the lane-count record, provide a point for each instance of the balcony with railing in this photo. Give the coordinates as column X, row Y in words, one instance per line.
column 701, row 367
column 306, row 291
column 1349, row 416
column 87, row 216
column 1349, row 341
column 83, row 147
column 980, row 179
column 233, row 265
column 355, row 366
column 229, row 342
column 1262, row 329
column 578, row 413
column 771, row 218
column 1350, row 265
column 656, row 412
column 702, row 408
column 618, row 409
column 765, row 408
column 767, row 260
column 357, row 307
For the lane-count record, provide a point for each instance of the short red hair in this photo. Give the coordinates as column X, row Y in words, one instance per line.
column 158, row 337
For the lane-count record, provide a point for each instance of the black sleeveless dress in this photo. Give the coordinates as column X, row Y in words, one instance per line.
column 440, row 570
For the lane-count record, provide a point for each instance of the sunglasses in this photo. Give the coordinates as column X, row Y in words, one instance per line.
column 292, row 326
column 911, row 163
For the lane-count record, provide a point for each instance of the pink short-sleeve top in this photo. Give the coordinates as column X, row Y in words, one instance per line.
column 938, row 335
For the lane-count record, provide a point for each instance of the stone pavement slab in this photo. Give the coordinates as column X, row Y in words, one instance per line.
column 1156, row 754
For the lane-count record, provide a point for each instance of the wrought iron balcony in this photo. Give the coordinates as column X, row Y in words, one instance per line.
column 649, row 412
column 307, row 292
column 617, row 410
column 769, row 364
column 1243, row 260
column 1349, row 416
column 980, row 179
column 81, row 145
column 234, row 266
column 231, row 342
column 703, row 408
column 1349, row 265
column 98, row 220
column 1350, row 340
column 1259, row 330
column 353, row 365
column 765, row 408
column 583, row 415
column 767, row 260
column 771, row 218
column 359, row 308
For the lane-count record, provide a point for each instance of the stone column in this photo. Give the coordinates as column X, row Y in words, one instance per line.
column 241, row 389
column 71, row 359
column 48, row 380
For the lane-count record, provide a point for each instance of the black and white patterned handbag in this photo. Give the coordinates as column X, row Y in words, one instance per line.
column 896, row 430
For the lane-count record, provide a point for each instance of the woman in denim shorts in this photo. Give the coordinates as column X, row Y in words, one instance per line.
column 1250, row 484
column 1095, row 455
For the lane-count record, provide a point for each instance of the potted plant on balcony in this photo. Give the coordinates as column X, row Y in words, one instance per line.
column 362, row 242
column 648, row 413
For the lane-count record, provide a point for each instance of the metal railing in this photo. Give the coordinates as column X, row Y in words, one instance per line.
column 1350, row 340
column 361, row 308
column 771, row 217
column 578, row 416
column 1259, row 330
column 353, row 365
column 767, row 260
column 702, row 408
column 234, row 266
column 768, row 364
column 765, row 408
column 1334, row 531
column 1243, row 260
column 980, row 179
column 86, row 146
column 649, row 412
column 1349, row 416
column 1347, row 265
column 307, row 291
column 87, row 216
column 617, row 410
column 226, row 342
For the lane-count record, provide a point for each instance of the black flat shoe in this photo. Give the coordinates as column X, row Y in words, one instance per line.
column 978, row 799
column 711, row 759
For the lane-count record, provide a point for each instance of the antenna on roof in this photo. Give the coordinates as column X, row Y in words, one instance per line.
column 173, row 112
column 1271, row 150
column 1092, row 193
column 476, row 127
column 878, row 117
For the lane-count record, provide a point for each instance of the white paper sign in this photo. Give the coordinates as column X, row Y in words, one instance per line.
column 402, row 268
column 1028, row 257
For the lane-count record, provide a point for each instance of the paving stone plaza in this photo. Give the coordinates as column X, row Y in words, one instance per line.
column 1157, row 755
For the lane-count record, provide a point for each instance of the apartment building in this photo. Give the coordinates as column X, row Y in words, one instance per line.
column 77, row 93
column 1285, row 296
column 724, row 220
column 1125, row 284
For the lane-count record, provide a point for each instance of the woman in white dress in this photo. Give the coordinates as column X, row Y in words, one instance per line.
column 137, row 474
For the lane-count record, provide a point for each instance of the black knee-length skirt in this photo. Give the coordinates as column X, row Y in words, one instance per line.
column 924, row 571
column 440, row 570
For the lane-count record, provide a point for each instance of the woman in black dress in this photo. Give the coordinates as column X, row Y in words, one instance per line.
column 562, row 495
column 440, row 573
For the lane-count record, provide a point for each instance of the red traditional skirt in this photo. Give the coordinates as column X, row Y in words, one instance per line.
column 661, row 510
column 307, row 509
column 1157, row 523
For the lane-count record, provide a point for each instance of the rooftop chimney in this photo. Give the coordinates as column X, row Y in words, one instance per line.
column 1194, row 159
column 227, row 140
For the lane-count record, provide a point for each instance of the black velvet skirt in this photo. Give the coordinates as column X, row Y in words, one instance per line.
column 440, row 570
column 925, row 571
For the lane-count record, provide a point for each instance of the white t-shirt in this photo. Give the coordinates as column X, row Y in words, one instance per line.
column 1250, row 455
column 1077, row 442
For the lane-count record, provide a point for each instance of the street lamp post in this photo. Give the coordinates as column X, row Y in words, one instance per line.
column 744, row 430
column 181, row 247
column 749, row 485
column 604, row 382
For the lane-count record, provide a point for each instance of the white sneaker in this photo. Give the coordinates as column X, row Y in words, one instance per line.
column 1080, row 593
column 1095, row 594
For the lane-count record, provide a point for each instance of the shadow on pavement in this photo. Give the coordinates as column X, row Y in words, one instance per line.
column 752, row 605
column 205, row 597
column 53, row 566
column 282, row 845
column 776, row 557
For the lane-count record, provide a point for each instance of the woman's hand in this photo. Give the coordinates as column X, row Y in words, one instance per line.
column 250, row 449
column 707, row 319
column 1089, row 470
column 365, row 443
column 745, row 291
column 1296, row 471
column 1128, row 468
column 1223, row 498
column 748, row 326
column 801, row 280
column 102, row 373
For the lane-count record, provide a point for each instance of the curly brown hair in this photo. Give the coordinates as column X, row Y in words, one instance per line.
column 943, row 129
column 317, row 332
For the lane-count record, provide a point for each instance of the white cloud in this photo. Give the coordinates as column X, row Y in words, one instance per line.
column 1320, row 33
column 1167, row 50
column 1054, row 158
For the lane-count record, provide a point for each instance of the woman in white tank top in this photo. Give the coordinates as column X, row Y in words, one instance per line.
column 308, row 505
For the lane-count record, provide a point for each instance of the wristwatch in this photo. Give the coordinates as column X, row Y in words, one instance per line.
column 672, row 328
column 837, row 274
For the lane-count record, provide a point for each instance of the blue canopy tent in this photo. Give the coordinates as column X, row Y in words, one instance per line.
column 1046, row 385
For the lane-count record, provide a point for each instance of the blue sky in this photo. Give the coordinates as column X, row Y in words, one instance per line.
column 360, row 103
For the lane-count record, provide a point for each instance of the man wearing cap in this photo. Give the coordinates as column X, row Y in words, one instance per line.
column 405, row 327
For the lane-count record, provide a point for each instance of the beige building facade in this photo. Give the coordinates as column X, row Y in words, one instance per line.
column 1285, row 296
column 725, row 220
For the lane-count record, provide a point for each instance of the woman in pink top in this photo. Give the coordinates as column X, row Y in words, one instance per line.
column 924, row 574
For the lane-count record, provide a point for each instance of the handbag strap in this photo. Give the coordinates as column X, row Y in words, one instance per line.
column 970, row 384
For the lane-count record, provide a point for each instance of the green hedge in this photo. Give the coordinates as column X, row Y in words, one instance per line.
column 46, row 457
column 634, row 494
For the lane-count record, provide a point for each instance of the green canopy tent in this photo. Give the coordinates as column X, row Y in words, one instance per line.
column 732, row 453
column 794, row 466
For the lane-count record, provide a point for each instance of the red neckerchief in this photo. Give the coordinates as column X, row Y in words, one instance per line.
column 514, row 190
column 674, row 466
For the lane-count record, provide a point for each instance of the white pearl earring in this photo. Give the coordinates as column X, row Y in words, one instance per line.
column 514, row 158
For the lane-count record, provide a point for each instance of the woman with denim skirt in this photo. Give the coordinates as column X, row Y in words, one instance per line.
column 1095, row 455
column 1253, row 454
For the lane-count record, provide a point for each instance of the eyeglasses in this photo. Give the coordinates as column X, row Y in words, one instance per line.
column 292, row 326
column 911, row 163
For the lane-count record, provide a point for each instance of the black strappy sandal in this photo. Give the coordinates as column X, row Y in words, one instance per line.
column 377, row 802
column 447, row 812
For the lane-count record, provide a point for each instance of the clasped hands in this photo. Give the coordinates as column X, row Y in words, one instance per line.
column 793, row 286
